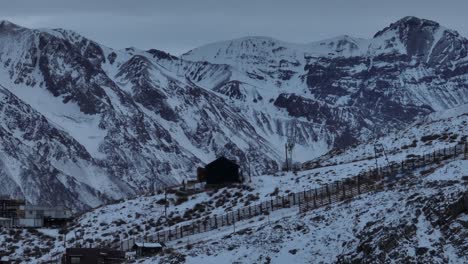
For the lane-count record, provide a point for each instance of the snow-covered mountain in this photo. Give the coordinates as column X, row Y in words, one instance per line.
column 94, row 124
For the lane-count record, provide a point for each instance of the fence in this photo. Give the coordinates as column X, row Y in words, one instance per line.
column 364, row 182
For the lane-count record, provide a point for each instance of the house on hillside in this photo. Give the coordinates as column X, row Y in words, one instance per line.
column 10, row 208
column 222, row 171
column 147, row 248
column 93, row 256
column 37, row 215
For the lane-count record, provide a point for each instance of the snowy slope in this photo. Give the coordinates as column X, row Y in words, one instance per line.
column 402, row 223
column 397, row 225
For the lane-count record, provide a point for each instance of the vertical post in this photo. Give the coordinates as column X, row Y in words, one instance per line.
column 299, row 198
column 466, row 150
column 344, row 192
column 165, row 205
column 315, row 198
column 358, row 184
column 328, row 193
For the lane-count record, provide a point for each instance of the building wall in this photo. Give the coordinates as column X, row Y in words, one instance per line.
column 33, row 211
column 6, row 222
column 31, row 222
column 10, row 208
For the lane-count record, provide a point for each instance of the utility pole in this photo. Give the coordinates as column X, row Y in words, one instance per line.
column 289, row 146
column 165, row 204
column 376, row 158
column 250, row 173
column 248, row 161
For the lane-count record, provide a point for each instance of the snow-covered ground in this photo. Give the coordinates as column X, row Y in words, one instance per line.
column 352, row 230
column 391, row 226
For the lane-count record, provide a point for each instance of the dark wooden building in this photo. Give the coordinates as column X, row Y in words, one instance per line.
column 93, row 256
column 147, row 249
column 10, row 208
column 222, row 171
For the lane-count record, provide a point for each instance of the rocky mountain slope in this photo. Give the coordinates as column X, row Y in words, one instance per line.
column 99, row 124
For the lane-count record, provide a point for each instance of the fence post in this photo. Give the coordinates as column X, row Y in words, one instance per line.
column 358, row 184
column 315, row 204
column 315, row 198
column 466, row 150
column 328, row 193
column 344, row 192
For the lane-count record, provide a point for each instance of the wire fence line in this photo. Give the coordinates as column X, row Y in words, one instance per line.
column 306, row 200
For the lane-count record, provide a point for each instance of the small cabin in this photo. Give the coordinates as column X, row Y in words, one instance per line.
column 147, row 248
column 9, row 208
column 222, row 171
column 38, row 216
column 93, row 256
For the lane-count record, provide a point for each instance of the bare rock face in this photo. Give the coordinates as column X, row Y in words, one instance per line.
column 99, row 124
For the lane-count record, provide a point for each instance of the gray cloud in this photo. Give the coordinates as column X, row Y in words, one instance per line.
column 180, row 25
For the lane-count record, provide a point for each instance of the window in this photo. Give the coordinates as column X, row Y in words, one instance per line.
column 75, row 260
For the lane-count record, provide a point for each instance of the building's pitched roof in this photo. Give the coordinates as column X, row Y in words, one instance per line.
column 148, row 245
column 221, row 160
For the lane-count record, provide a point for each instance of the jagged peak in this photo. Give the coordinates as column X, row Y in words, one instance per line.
column 408, row 22
column 161, row 54
column 6, row 25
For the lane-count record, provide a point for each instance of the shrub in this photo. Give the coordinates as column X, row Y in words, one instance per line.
column 429, row 137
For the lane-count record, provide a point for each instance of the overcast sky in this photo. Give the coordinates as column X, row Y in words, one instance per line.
column 177, row 26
